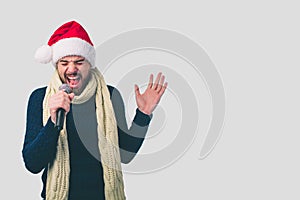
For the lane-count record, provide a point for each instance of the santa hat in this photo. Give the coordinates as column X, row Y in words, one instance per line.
column 70, row 39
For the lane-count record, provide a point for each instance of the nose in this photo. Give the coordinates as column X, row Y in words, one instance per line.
column 72, row 67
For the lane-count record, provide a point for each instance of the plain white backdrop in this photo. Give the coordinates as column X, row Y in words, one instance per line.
column 255, row 47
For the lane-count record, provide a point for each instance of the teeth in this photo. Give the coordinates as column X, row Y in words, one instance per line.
column 73, row 78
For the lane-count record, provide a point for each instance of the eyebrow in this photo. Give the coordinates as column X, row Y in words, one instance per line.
column 76, row 61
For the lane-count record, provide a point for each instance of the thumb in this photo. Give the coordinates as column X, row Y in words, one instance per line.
column 71, row 96
column 137, row 90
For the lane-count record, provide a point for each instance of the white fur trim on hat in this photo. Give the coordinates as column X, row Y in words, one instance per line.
column 73, row 47
column 43, row 54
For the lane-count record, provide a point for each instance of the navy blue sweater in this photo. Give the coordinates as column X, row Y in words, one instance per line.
column 86, row 175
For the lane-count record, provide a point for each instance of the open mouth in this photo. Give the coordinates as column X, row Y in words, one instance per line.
column 73, row 79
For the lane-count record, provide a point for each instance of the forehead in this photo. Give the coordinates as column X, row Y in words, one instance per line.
column 71, row 58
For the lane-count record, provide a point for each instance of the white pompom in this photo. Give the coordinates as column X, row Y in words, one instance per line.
column 43, row 54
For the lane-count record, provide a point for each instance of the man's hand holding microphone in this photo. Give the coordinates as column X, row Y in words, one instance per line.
column 59, row 105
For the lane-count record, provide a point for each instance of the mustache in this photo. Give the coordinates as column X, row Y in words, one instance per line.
column 73, row 74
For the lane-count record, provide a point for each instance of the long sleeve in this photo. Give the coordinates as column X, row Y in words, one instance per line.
column 130, row 140
column 40, row 141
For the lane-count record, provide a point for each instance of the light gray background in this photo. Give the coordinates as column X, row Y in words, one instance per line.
column 254, row 45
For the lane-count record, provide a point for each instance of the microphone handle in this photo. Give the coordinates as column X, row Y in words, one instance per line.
column 60, row 117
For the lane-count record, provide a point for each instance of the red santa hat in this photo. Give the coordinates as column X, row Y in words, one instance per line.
column 70, row 39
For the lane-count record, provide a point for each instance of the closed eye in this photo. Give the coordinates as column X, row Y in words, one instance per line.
column 79, row 62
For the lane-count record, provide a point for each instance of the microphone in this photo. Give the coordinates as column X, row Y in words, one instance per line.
column 60, row 113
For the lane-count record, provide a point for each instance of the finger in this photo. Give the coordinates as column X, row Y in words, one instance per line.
column 162, row 80
column 163, row 89
column 53, row 112
column 59, row 100
column 60, row 96
column 157, row 80
column 63, row 102
column 67, row 104
column 137, row 91
column 161, row 83
column 150, row 81
column 61, row 93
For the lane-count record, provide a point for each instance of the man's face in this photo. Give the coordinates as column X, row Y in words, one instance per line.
column 75, row 71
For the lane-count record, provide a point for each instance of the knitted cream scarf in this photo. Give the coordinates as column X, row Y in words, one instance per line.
column 57, row 185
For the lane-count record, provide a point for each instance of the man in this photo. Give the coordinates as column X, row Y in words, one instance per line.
column 83, row 160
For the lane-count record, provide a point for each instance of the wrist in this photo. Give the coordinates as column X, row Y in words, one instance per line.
column 145, row 111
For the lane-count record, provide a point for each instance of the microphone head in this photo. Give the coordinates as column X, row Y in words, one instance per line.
column 66, row 88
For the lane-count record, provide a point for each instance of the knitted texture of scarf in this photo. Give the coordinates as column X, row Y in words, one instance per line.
column 57, row 186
